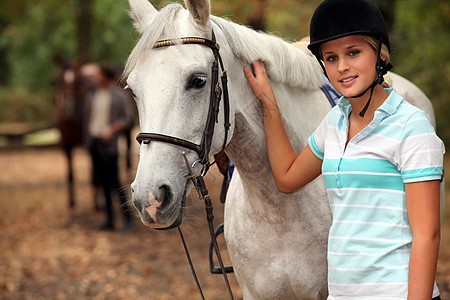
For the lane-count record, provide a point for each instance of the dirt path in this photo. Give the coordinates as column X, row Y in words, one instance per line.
column 47, row 253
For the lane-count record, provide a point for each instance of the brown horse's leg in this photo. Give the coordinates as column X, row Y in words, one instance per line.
column 70, row 177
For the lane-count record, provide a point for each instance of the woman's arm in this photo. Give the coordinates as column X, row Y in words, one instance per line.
column 424, row 218
column 290, row 171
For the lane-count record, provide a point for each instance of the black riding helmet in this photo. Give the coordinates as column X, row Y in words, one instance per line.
column 339, row 18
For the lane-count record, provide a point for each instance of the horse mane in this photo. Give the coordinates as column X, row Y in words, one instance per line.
column 284, row 62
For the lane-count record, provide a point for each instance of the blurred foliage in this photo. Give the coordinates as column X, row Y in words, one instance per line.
column 39, row 31
column 20, row 105
column 34, row 32
column 421, row 41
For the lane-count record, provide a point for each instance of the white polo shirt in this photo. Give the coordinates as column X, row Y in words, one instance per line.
column 370, row 238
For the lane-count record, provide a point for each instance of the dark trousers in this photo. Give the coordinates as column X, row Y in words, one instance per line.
column 106, row 174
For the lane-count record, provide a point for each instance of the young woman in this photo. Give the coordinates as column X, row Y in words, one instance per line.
column 380, row 157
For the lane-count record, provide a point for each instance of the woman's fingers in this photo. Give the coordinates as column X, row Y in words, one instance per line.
column 258, row 78
column 259, row 67
column 259, row 83
column 248, row 74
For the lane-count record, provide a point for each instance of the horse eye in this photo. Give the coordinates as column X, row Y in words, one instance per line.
column 197, row 81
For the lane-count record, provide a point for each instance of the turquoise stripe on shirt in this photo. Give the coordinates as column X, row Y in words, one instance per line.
column 370, row 238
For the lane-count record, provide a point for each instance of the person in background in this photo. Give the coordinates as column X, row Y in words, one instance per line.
column 380, row 158
column 107, row 114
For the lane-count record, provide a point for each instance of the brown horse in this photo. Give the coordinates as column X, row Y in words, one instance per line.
column 70, row 95
column 73, row 88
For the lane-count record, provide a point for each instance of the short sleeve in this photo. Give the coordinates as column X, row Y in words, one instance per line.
column 420, row 154
column 317, row 139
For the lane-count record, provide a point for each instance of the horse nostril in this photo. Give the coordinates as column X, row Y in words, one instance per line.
column 138, row 204
column 165, row 195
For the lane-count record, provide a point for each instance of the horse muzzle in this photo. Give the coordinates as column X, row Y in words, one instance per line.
column 160, row 211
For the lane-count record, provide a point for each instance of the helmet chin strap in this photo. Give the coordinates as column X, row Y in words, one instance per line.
column 380, row 67
column 371, row 87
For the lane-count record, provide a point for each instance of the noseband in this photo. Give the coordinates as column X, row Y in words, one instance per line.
column 204, row 147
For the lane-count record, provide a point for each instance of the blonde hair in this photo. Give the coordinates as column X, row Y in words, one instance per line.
column 374, row 43
column 387, row 83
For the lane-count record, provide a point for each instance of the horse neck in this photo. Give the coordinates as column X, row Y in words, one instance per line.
column 301, row 112
column 301, row 109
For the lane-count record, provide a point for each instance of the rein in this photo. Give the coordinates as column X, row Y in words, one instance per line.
column 202, row 191
column 202, row 149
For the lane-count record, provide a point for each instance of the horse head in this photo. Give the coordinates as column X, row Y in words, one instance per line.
column 172, row 88
column 70, row 91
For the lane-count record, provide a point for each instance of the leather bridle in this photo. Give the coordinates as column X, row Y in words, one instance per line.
column 204, row 147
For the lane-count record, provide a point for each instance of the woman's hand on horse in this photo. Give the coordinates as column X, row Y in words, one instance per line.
column 261, row 85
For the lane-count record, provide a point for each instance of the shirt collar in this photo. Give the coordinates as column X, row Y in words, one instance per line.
column 344, row 106
column 389, row 106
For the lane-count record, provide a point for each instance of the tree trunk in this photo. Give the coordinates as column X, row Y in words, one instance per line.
column 84, row 24
column 256, row 18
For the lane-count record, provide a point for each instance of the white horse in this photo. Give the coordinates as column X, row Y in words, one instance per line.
column 277, row 242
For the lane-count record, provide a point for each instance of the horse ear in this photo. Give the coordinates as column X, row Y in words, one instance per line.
column 141, row 11
column 199, row 10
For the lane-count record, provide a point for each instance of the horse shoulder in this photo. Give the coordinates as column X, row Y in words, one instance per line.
column 413, row 95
